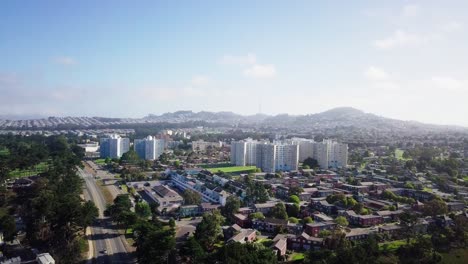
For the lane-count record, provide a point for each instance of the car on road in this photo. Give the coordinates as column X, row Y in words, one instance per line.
column 104, row 251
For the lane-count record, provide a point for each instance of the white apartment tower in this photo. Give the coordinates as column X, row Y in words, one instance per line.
column 113, row 146
column 330, row 153
column 149, row 148
column 306, row 147
column 270, row 157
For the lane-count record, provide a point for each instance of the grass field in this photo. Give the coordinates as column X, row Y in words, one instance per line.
column 235, row 169
column 455, row 256
column 39, row 168
column 297, row 256
column 392, row 246
column 399, row 154
column 4, row 152
column 84, row 246
column 105, row 192
column 100, row 161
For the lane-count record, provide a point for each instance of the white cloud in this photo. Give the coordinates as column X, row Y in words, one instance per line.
column 199, row 80
column 449, row 83
column 248, row 59
column 410, row 10
column 64, row 60
column 451, row 26
column 376, row 74
column 261, row 71
column 398, row 39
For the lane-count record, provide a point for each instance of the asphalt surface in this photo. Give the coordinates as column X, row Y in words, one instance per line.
column 108, row 243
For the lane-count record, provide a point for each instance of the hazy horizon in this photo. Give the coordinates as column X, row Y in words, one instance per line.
column 403, row 59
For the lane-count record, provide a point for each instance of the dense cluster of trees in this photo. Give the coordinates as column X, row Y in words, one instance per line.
column 54, row 214
column 396, row 198
column 255, row 191
column 310, row 163
column 155, row 242
column 191, row 197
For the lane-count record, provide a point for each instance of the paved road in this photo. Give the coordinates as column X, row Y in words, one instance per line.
column 104, row 233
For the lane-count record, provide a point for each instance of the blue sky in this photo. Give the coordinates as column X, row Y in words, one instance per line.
column 400, row 59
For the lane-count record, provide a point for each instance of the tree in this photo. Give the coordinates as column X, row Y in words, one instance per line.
column 293, row 220
column 128, row 219
column 342, row 221
column 7, row 225
column 194, row 251
column 142, row 209
column 154, row 243
column 257, row 215
column 232, row 207
column 293, row 210
column 435, row 207
column 122, row 205
column 324, row 233
column 130, row 157
column 234, row 253
column 294, row 199
column 295, row 191
column 311, row 162
column 419, row 251
column 279, row 211
column 409, row 185
column 208, row 231
column 307, row 220
column 192, row 197
column 89, row 213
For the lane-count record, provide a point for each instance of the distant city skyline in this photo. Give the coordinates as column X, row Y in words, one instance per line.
column 402, row 59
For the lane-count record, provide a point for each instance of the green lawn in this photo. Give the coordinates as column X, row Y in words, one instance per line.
column 124, row 188
column 235, row 169
column 297, row 256
column 84, row 246
column 392, row 246
column 100, row 161
column 4, row 152
column 399, row 155
column 455, row 256
column 39, row 168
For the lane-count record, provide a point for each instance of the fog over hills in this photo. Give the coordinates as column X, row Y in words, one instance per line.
column 341, row 118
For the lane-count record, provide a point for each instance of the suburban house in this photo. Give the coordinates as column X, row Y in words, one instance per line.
column 244, row 236
column 264, row 207
column 269, row 224
column 281, row 246
column 313, row 229
column 305, row 242
column 358, row 234
column 455, row 206
column 242, row 220
column 362, row 220
column 189, row 210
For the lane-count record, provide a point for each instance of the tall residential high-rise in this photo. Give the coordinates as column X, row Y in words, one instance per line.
column 285, row 155
column 270, row 157
column 113, row 146
column 244, row 152
column 306, row 147
column 149, row 148
column 330, row 153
